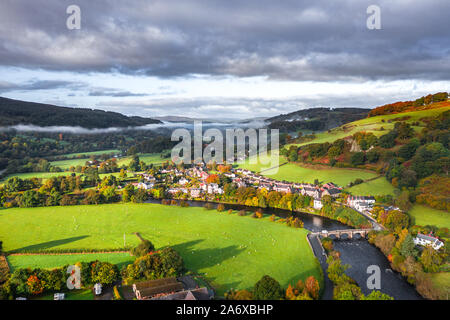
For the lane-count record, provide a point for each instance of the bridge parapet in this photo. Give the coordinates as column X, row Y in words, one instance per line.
column 350, row 233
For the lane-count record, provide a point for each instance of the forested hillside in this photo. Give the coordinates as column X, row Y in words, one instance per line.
column 13, row 112
column 316, row 119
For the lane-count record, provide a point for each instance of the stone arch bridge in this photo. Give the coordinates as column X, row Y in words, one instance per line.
column 349, row 233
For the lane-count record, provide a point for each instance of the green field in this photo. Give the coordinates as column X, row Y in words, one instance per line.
column 92, row 153
column 441, row 280
column 58, row 260
column 379, row 186
column 148, row 158
column 230, row 251
column 422, row 215
column 42, row 175
column 48, row 175
column 66, row 164
column 295, row 173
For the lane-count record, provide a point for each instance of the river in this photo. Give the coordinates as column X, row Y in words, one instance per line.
column 359, row 254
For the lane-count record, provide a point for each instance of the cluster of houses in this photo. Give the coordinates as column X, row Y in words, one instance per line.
column 308, row 189
column 241, row 178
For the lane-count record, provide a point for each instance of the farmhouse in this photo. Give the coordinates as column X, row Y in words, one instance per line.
column 428, row 240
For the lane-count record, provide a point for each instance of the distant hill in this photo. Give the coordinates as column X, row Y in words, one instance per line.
column 431, row 101
column 14, row 112
column 316, row 119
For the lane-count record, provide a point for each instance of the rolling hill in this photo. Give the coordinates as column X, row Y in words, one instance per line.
column 15, row 112
column 316, row 119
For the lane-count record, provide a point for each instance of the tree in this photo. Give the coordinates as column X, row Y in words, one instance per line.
column 312, row 286
column 128, row 193
column 293, row 155
column 104, row 273
column 213, row 178
column 357, row 158
column 333, row 152
column 140, row 196
column 143, row 248
column 123, row 174
column 267, row 288
column 134, row 164
column 408, row 247
column 30, row 198
column 109, row 194
column 377, row 295
column 373, row 155
column 430, row 260
column 91, row 197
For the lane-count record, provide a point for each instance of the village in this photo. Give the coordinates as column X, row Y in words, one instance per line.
column 194, row 183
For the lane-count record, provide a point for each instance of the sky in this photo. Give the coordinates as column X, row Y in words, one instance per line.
column 223, row 58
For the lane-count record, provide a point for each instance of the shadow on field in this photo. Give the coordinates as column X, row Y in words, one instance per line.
column 49, row 244
column 205, row 258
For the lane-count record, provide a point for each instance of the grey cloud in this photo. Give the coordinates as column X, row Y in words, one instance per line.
column 39, row 85
column 105, row 92
column 298, row 40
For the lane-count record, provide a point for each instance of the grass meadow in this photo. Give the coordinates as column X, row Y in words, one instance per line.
column 379, row 186
column 229, row 250
column 296, row 173
column 422, row 215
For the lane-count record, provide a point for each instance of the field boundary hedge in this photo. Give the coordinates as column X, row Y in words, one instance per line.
column 66, row 251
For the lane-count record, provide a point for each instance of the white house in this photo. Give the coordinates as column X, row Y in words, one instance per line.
column 214, row 188
column 317, row 204
column 196, row 192
column 428, row 240
column 361, row 203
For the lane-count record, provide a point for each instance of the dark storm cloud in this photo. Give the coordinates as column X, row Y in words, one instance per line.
column 70, row 85
column 297, row 40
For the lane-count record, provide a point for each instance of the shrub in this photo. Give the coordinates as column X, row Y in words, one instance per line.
column 241, row 213
column 143, row 248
